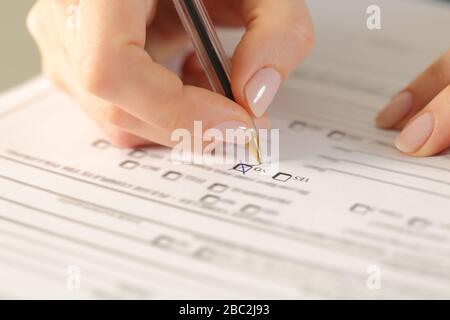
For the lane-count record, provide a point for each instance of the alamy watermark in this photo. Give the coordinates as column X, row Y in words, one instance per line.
column 231, row 146
column 73, row 280
column 373, row 21
column 373, row 277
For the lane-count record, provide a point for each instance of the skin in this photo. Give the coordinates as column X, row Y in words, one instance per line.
column 431, row 94
column 113, row 63
column 114, row 66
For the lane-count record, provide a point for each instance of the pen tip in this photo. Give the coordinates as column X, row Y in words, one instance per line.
column 254, row 148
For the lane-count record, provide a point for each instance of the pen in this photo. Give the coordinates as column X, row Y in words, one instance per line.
column 211, row 54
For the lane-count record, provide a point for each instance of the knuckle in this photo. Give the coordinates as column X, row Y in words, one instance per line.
column 297, row 42
column 305, row 35
column 300, row 30
column 96, row 74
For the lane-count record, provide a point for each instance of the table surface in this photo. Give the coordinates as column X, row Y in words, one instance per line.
column 19, row 58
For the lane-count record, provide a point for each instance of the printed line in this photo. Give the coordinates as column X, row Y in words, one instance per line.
column 23, row 104
column 86, row 256
column 437, row 194
column 198, row 235
column 32, row 270
column 385, row 169
column 391, row 158
column 127, row 256
column 301, row 235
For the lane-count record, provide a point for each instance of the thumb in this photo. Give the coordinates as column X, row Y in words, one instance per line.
column 279, row 34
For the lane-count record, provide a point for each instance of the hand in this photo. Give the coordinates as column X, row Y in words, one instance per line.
column 422, row 111
column 113, row 63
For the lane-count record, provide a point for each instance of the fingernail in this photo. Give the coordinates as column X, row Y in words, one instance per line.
column 261, row 90
column 229, row 129
column 416, row 134
column 399, row 107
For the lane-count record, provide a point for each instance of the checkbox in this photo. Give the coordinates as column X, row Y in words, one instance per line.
column 129, row 165
column 298, row 126
column 218, row 188
column 243, row 168
column 337, row 135
column 138, row 154
column 172, row 175
column 418, row 223
column 283, row 177
column 205, row 253
column 361, row 209
column 101, row 144
column 250, row 209
column 210, row 199
column 163, row 241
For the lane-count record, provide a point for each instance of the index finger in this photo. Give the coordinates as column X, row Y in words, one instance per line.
column 115, row 66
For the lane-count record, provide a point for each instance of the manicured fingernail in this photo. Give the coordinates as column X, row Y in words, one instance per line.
column 229, row 130
column 261, row 90
column 399, row 107
column 416, row 134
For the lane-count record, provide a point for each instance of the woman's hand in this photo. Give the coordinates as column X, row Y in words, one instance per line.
column 422, row 111
column 112, row 63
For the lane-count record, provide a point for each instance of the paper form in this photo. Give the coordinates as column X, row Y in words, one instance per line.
column 347, row 216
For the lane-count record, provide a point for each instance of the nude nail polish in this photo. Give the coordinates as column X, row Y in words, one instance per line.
column 261, row 90
column 416, row 134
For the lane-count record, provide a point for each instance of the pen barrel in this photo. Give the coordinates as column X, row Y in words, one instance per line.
column 210, row 52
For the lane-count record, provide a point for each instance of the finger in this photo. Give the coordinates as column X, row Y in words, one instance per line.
column 429, row 132
column 121, row 138
column 226, row 13
column 279, row 34
column 193, row 74
column 115, row 67
column 416, row 96
column 105, row 115
column 53, row 43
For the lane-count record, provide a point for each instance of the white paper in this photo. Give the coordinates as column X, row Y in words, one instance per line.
column 348, row 217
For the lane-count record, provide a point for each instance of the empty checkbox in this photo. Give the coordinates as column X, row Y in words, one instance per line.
column 163, row 241
column 210, row 199
column 205, row 253
column 337, row 135
column 298, row 125
column 101, row 144
column 419, row 223
column 218, row 188
column 129, row 165
column 283, row 177
column 251, row 209
column 361, row 209
column 138, row 154
column 172, row 175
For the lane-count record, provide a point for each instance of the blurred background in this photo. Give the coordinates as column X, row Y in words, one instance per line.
column 19, row 58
